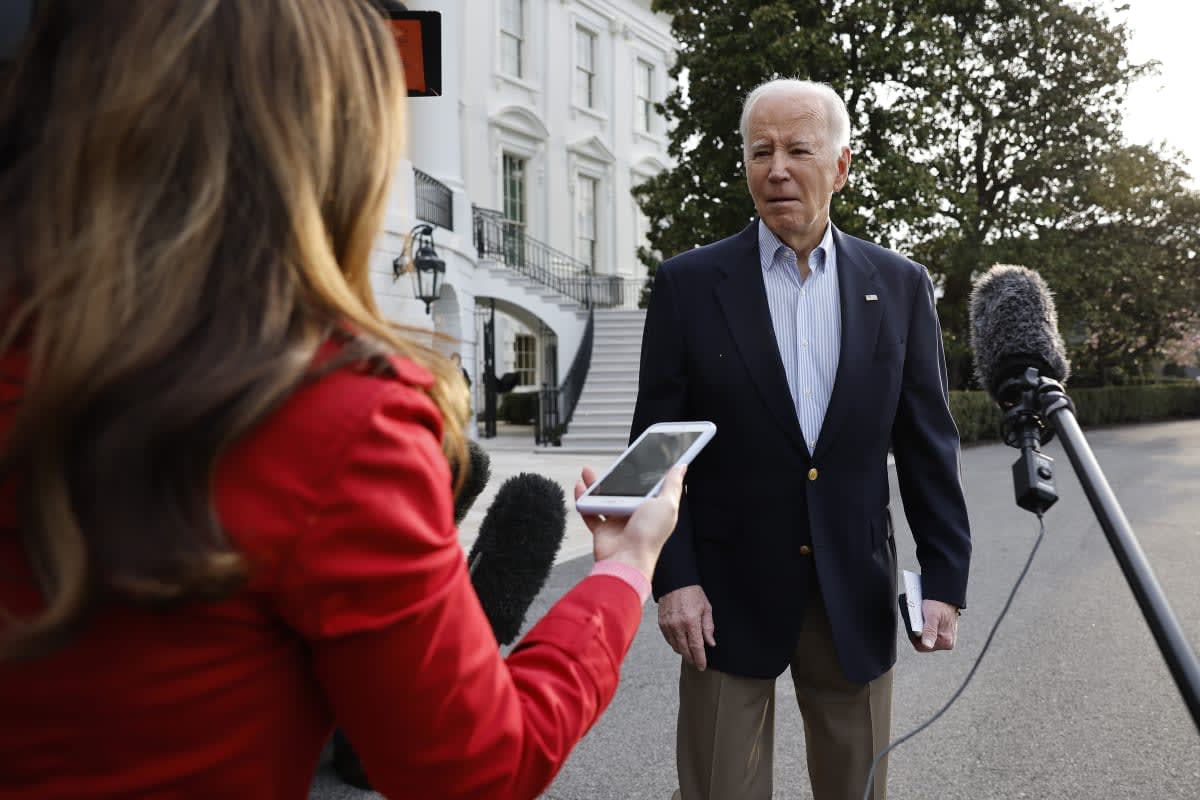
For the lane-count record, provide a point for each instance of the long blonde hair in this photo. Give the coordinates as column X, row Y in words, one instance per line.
column 189, row 193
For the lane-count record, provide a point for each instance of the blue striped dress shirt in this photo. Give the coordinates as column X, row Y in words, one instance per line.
column 807, row 319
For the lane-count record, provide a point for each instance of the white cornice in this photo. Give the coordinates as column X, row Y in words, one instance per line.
column 620, row 18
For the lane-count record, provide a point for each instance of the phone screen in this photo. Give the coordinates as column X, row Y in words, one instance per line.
column 644, row 466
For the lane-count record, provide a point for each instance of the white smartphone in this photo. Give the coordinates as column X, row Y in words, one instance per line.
column 639, row 472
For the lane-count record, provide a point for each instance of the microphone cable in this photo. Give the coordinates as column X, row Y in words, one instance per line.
column 979, row 658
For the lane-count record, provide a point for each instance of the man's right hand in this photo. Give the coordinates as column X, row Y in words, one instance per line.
column 686, row 621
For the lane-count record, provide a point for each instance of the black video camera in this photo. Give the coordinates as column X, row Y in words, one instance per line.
column 15, row 16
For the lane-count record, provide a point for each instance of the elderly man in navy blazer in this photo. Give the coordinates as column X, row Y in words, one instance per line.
column 813, row 352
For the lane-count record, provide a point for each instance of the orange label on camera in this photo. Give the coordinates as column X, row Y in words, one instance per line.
column 407, row 33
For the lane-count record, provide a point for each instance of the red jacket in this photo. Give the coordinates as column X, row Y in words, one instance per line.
column 359, row 610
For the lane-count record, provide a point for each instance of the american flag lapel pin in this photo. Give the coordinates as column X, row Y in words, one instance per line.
column 871, row 298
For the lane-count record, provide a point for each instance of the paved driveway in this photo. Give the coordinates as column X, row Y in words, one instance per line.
column 1073, row 699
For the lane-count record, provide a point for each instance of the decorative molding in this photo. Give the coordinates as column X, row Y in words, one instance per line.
column 649, row 166
column 592, row 148
column 605, row 10
column 522, row 121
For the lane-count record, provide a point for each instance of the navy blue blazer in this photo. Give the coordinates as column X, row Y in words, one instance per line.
column 763, row 518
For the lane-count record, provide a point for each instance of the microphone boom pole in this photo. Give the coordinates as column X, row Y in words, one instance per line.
column 1056, row 408
column 1020, row 360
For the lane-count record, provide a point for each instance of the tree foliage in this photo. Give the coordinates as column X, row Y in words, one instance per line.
column 985, row 131
column 864, row 49
column 1126, row 265
column 1026, row 97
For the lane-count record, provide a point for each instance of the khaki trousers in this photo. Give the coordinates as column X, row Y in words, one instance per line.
column 725, row 740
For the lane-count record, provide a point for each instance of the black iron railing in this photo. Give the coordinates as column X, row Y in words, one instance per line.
column 507, row 242
column 572, row 385
column 556, row 406
column 547, row 429
column 435, row 201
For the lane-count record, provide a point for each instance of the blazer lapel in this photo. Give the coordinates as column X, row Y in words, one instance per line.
column 742, row 296
column 857, row 280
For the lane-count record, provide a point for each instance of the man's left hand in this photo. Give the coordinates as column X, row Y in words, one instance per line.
column 941, row 626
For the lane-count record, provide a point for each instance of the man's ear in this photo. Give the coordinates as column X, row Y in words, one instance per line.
column 843, row 169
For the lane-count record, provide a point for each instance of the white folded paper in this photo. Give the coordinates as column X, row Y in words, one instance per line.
column 912, row 597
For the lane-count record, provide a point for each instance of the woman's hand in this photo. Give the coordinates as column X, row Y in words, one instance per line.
column 635, row 540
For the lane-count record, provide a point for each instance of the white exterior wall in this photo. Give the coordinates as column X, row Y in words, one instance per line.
column 460, row 138
column 536, row 117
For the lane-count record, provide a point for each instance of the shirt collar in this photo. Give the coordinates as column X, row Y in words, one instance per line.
column 769, row 244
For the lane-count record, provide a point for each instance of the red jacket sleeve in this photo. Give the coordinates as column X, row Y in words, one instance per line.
column 378, row 586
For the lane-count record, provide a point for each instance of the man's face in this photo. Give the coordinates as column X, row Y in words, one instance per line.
column 792, row 167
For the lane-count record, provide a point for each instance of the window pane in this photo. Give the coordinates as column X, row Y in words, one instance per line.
column 510, row 16
column 587, row 207
column 644, row 105
column 585, row 199
column 514, row 188
column 583, row 88
column 585, row 47
column 645, row 79
column 510, row 55
column 512, row 35
column 585, row 67
column 525, row 359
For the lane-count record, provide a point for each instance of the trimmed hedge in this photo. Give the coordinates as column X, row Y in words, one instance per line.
column 978, row 418
column 518, row 408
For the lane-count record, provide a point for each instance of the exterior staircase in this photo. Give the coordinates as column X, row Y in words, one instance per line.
column 604, row 413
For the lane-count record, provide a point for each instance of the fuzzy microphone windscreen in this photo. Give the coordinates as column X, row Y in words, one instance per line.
column 518, row 541
column 1014, row 326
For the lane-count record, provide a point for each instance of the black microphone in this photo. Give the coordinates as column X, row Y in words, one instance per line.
column 1014, row 326
column 479, row 472
column 15, row 16
column 518, row 540
column 509, row 563
column 1020, row 361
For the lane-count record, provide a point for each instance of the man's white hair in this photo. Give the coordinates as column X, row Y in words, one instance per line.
column 835, row 108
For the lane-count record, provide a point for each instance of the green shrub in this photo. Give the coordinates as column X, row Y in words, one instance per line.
column 1113, row 404
column 518, row 408
column 978, row 418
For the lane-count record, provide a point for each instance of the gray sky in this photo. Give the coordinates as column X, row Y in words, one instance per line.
column 1165, row 107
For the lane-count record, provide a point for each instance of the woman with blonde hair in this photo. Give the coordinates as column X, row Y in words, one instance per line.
column 225, row 501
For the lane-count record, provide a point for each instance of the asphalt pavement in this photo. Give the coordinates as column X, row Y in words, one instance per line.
column 1072, row 700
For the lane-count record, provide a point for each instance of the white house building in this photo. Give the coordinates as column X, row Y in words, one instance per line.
column 524, row 167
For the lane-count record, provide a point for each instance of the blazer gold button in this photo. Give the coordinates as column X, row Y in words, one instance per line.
column 805, row 550
column 812, row 474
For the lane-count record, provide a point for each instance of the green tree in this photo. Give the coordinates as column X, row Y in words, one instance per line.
column 1026, row 96
column 1184, row 352
column 978, row 126
column 1125, row 265
column 866, row 49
